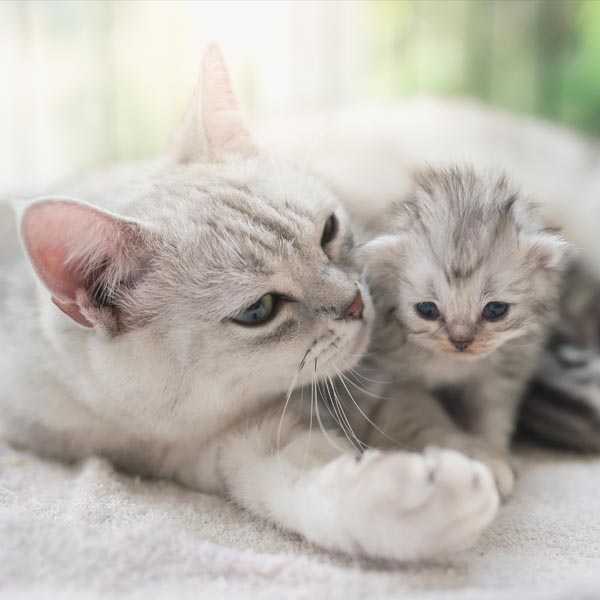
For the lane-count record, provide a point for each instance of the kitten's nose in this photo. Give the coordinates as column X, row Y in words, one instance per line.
column 461, row 345
column 355, row 309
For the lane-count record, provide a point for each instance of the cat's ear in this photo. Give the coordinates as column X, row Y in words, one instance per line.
column 383, row 254
column 83, row 255
column 214, row 124
column 548, row 250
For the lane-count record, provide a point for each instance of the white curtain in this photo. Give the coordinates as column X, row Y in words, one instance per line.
column 87, row 82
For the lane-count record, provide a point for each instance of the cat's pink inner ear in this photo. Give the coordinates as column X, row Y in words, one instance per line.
column 68, row 243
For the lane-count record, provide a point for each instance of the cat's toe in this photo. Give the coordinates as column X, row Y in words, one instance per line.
column 504, row 477
column 463, row 505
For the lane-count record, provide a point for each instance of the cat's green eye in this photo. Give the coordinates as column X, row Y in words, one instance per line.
column 329, row 230
column 257, row 313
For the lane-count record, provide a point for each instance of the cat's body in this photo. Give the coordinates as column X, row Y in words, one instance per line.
column 172, row 310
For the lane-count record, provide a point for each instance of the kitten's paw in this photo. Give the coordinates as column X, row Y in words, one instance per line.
column 408, row 506
column 504, row 476
column 497, row 463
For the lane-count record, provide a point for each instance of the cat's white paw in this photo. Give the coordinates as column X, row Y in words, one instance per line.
column 497, row 462
column 407, row 506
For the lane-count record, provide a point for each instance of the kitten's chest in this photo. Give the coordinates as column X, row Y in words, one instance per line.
column 438, row 372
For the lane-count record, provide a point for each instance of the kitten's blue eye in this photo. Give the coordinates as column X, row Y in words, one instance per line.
column 427, row 310
column 495, row 310
column 257, row 313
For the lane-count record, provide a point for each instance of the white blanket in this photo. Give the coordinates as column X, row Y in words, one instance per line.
column 88, row 532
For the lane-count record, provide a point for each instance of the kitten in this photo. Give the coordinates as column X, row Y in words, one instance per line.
column 173, row 308
column 465, row 283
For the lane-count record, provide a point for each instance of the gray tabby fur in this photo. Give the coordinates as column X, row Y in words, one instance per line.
column 562, row 405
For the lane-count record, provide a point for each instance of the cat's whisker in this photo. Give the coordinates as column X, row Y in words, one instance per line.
column 357, row 444
column 303, row 361
column 288, row 396
column 340, row 417
column 362, row 389
column 363, row 377
column 370, row 421
column 321, row 426
column 310, row 426
column 301, row 398
column 332, row 410
column 361, row 356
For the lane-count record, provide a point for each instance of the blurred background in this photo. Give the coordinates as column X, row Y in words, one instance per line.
column 88, row 82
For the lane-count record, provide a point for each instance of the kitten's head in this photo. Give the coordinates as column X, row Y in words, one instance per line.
column 465, row 266
column 222, row 263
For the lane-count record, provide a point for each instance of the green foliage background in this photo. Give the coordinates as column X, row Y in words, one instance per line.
column 535, row 56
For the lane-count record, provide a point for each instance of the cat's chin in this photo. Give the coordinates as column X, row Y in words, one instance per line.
column 467, row 356
column 446, row 350
column 463, row 356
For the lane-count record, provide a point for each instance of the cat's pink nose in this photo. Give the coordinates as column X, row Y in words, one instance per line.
column 461, row 345
column 355, row 309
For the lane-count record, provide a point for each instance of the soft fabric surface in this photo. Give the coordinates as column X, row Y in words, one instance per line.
column 89, row 532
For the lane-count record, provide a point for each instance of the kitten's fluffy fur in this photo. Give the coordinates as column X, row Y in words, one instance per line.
column 460, row 239
column 125, row 345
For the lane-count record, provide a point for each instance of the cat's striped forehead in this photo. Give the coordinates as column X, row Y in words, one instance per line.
column 244, row 226
column 243, row 219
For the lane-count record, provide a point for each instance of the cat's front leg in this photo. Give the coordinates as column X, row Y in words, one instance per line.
column 491, row 409
column 411, row 418
column 397, row 505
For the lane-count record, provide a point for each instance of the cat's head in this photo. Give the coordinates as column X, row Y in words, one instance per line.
column 221, row 263
column 465, row 266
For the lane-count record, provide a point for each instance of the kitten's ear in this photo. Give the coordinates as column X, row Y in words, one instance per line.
column 213, row 124
column 82, row 255
column 383, row 254
column 549, row 250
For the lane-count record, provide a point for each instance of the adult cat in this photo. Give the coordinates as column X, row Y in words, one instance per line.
column 166, row 327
